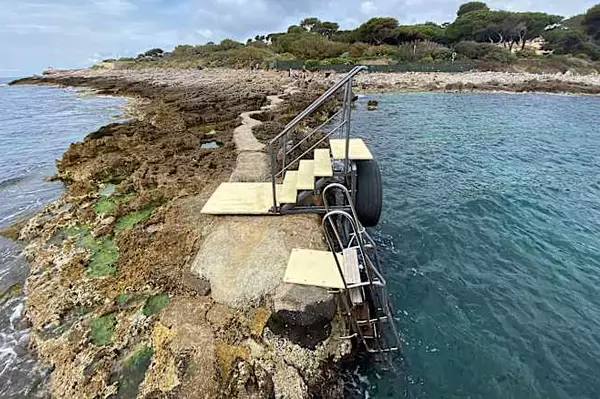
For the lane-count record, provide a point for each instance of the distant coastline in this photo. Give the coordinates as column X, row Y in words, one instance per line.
column 474, row 81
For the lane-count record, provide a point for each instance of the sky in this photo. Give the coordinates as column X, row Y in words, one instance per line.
column 37, row 34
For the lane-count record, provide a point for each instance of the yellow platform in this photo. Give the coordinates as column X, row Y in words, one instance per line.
column 323, row 166
column 316, row 268
column 241, row 199
column 289, row 193
column 358, row 149
column 306, row 175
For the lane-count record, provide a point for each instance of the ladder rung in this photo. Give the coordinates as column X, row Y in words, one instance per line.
column 365, row 322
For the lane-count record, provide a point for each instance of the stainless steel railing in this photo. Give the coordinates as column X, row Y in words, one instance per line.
column 279, row 144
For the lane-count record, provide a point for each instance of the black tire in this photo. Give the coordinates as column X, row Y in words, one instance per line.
column 369, row 196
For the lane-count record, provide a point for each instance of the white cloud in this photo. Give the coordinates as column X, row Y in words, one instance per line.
column 368, row 7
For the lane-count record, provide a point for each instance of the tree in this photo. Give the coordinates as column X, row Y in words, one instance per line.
column 155, row 52
column 309, row 23
column 570, row 41
column 591, row 22
column 296, row 29
column 327, row 29
column 229, row 44
column 378, row 30
column 472, row 6
column 537, row 23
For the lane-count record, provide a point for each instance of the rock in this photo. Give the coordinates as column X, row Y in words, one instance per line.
column 244, row 258
column 372, row 105
column 304, row 305
column 289, row 384
column 199, row 285
column 107, row 221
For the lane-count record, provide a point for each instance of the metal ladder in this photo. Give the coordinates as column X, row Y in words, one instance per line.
column 365, row 299
column 279, row 147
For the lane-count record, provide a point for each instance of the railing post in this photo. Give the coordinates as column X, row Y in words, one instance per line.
column 347, row 119
column 284, row 146
column 273, row 177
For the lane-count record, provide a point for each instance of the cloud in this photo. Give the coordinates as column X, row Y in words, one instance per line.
column 35, row 34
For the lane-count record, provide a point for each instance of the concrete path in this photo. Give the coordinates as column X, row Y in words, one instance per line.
column 252, row 161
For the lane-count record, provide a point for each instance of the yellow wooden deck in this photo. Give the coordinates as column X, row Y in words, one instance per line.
column 306, row 175
column 358, row 149
column 241, row 199
column 323, row 163
column 316, row 268
column 289, row 193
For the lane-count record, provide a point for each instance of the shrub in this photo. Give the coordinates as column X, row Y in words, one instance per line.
column 527, row 53
column 358, row 50
column 483, row 51
column 383, row 50
column 416, row 51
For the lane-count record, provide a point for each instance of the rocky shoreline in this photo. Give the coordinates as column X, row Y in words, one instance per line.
column 478, row 82
column 132, row 292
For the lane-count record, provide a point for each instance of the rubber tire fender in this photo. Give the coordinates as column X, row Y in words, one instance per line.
column 369, row 195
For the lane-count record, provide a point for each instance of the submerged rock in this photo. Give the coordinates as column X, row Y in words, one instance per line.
column 372, row 105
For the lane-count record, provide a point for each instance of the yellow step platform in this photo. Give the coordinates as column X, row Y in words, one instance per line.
column 306, row 175
column 323, row 163
column 241, row 199
column 358, row 149
column 316, row 268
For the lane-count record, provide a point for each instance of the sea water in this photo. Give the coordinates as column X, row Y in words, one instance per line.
column 490, row 238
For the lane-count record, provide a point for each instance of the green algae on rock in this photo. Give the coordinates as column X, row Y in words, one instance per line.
column 104, row 257
column 133, row 371
column 103, row 329
column 133, row 218
column 109, row 204
column 155, row 304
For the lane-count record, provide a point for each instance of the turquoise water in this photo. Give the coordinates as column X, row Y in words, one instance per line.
column 37, row 124
column 491, row 242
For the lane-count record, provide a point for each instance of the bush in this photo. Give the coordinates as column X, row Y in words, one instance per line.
column 336, row 61
column 417, row 51
column 383, row 50
column 527, row 53
column 358, row 50
column 483, row 51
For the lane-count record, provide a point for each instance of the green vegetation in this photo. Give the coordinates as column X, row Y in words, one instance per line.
column 103, row 329
column 478, row 33
column 104, row 251
column 133, row 371
column 155, row 304
column 104, row 257
column 133, row 218
column 122, row 299
column 108, row 205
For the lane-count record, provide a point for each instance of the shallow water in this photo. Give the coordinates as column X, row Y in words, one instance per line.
column 37, row 124
column 491, row 242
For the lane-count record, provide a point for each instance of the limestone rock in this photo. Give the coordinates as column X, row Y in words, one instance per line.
column 289, row 384
column 244, row 258
column 304, row 305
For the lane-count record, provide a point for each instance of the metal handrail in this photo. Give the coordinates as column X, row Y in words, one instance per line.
column 320, row 101
column 345, row 112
